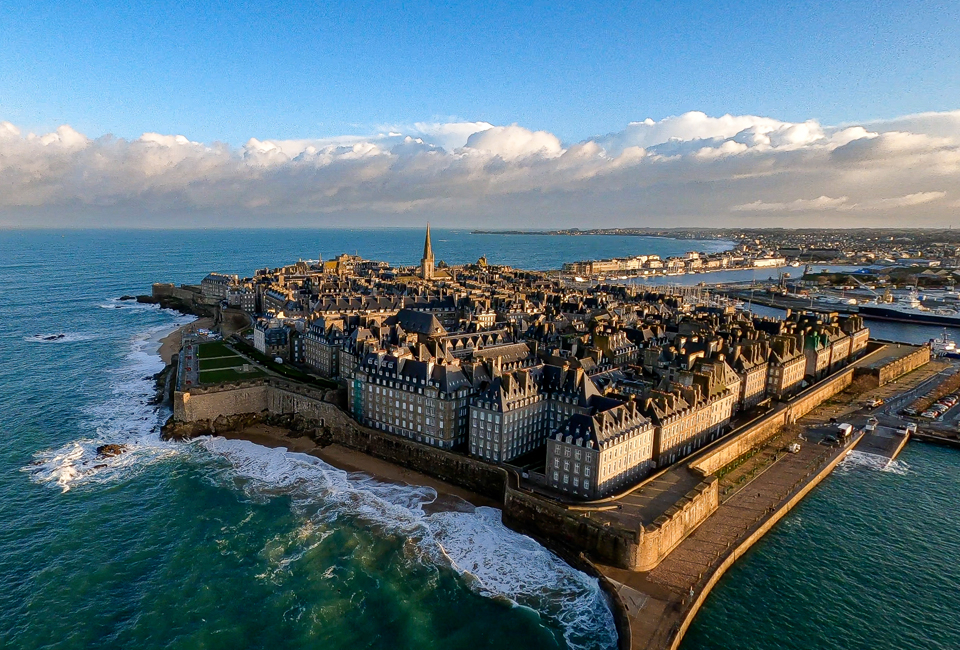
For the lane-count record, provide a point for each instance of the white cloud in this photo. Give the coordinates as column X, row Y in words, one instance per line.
column 513, row 142
column 797, row 205
column 687, row 170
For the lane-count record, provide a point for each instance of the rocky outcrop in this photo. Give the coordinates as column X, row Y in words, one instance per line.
column 109, row 451
column 298, row 426
column 183, row 306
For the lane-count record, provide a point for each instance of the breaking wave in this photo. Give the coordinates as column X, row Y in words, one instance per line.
column 126, row 418
column 860, row 460
column 494, row 560
column 130, row 305
column 472, row 541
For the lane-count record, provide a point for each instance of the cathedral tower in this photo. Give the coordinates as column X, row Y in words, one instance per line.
column 426, row 263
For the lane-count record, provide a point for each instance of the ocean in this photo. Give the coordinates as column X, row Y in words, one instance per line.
column 225, row 544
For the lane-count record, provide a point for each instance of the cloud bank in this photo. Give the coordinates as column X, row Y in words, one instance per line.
column 691, row 170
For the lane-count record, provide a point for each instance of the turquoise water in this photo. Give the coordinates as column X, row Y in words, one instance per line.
column 869, row 560
column 219, row 544
column 224, row 544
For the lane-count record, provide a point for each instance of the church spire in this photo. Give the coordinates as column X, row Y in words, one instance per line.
column 426, row 263
column 427, row 247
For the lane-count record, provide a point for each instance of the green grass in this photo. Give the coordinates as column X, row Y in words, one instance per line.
column 214, row 349
column 222, row 362
column 228, row 375
column 284, row 369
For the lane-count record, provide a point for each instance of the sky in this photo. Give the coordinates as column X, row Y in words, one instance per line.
column 532, row 114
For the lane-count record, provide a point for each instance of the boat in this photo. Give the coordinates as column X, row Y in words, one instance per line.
column 910, row 310
column 944, row 347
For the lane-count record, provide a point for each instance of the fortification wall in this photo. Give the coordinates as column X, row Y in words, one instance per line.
column 678, row 521
column 193, row 407
column 903, row 365
column 543, row 518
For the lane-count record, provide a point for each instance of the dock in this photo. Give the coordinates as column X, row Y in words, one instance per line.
column 885, row 442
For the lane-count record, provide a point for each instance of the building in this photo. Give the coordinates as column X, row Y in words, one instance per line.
column 272, row 338
column 321, row 347
column 215, row 285
column 425, row 401
column 426, row 262
column 602, row 451
column 517, row 410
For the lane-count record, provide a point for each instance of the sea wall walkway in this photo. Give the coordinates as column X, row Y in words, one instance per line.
column 663, row 602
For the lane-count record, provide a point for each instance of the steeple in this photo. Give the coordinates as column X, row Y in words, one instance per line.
column 426, row 263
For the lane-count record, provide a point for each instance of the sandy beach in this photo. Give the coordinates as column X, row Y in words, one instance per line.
column 448, row 496
column 170, row 344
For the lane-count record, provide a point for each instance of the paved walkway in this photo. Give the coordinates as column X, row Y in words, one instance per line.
column 657, row 598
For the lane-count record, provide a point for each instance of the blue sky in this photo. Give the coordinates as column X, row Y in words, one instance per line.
column 534, row 115
column 230, row 71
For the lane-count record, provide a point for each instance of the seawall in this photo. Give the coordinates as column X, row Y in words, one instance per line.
column 762, row 528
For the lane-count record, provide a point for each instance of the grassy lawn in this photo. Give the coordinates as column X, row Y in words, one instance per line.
column 284, row 369
column 222, row 362
column 227, row 375
column 214, row 349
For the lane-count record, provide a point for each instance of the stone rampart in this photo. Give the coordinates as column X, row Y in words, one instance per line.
column 195, row 406
column 898, row 367
column 544, row 518
column 677, row 521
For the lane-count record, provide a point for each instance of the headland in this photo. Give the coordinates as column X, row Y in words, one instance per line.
column 647, row 437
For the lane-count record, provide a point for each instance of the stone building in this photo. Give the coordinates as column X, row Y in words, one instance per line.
column 426, row 401
column 322, row 344
column 272, row 338
column 426, row 262
column 599, row 452
column 215, row 285
column 517, row 410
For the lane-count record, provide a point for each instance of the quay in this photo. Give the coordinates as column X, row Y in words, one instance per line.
column 885, row 442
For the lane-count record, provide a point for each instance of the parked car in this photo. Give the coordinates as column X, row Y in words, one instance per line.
column 909, row 411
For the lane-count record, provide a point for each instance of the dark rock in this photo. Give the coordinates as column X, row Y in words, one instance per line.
column 108, row 451
column 128, row 297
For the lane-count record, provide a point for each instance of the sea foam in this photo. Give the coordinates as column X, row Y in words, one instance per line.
column 126, row 417
column 863, row 461
column 493, row 560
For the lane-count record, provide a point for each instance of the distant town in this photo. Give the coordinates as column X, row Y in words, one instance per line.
column 770, row 248
column 614, row 421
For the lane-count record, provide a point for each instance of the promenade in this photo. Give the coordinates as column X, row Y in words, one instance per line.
column 755, row 493
column 662, row 602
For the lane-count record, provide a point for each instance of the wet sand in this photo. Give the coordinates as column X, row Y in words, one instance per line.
column 170, row 344
column 449, row 497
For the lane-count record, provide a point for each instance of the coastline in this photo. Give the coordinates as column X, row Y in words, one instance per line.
column 449, row 496
column 170, row 344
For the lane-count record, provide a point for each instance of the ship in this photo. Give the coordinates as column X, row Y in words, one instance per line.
column 944, row 347
column 910, row 310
